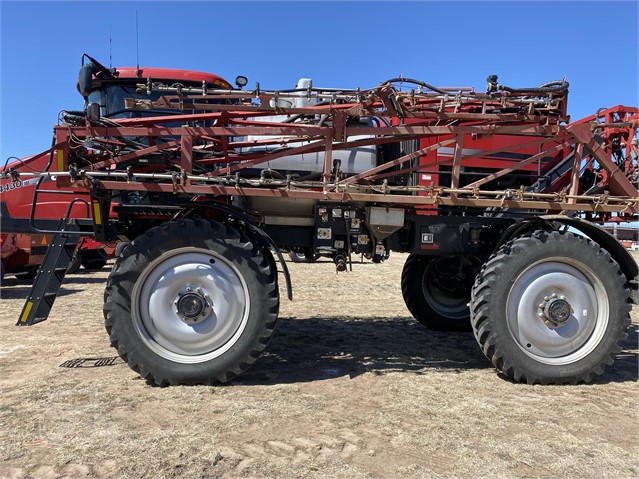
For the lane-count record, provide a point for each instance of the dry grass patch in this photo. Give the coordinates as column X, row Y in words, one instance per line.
column 350, row 387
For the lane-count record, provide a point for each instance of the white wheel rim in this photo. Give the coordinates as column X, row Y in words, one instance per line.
column 155, row 313
column 557, row 343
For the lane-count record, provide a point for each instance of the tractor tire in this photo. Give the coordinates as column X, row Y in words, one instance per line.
column 550, row 308
column 28, row 275
column 93, row 260
column 191, row 302
column 76, row 262
column 119, row 248
column 307, row 256
column 434, row 306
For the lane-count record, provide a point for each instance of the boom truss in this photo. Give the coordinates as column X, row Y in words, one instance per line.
column 587, row 167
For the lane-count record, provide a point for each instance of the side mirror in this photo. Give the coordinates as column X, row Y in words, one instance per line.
column 241, row 81
column 85, row 79
column 93, row 112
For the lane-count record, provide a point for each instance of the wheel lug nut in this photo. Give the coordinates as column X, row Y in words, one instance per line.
column 554, row 295
column 546, row 298
column 541, row 305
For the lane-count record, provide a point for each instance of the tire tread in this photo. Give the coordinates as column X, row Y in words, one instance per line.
column 220, row 233
column 482, row 299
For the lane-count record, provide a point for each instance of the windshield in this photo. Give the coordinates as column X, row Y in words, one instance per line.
column 111, row 100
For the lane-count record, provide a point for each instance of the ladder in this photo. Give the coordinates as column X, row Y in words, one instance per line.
column 50, row 276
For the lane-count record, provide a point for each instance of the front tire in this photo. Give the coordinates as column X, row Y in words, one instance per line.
column 120, row 247
column 550, row 308
column 191, row 302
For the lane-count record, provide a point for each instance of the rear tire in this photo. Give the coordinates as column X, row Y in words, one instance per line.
column 76, row 262
column 434, row 306
column 306, row 256
column 228, row 279
column 28, row 275
column 93, row 260
column 550, row 308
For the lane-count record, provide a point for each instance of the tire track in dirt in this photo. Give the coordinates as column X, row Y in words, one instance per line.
column 105, row 469
column 350, row 447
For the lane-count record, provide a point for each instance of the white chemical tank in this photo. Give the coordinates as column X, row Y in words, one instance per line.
column 355, row 160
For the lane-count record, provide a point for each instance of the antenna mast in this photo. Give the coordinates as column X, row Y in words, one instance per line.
column 110, row 49
column 137, row 45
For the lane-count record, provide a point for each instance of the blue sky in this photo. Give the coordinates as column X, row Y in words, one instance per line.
column 338, row 44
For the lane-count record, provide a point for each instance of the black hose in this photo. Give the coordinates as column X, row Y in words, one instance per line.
column 534, row 90
column 300, row 115
column 272, row 173
column 416, row 82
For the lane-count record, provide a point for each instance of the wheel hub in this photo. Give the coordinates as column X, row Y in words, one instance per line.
column 192, row 306
column 555, row 310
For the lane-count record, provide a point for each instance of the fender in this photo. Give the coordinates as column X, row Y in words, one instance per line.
column 626, row 262
column 258, row 233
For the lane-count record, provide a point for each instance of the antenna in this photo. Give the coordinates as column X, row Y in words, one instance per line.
column 137, row 45
column 110, row 49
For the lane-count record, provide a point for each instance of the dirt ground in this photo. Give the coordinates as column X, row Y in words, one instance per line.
column 350, row 387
